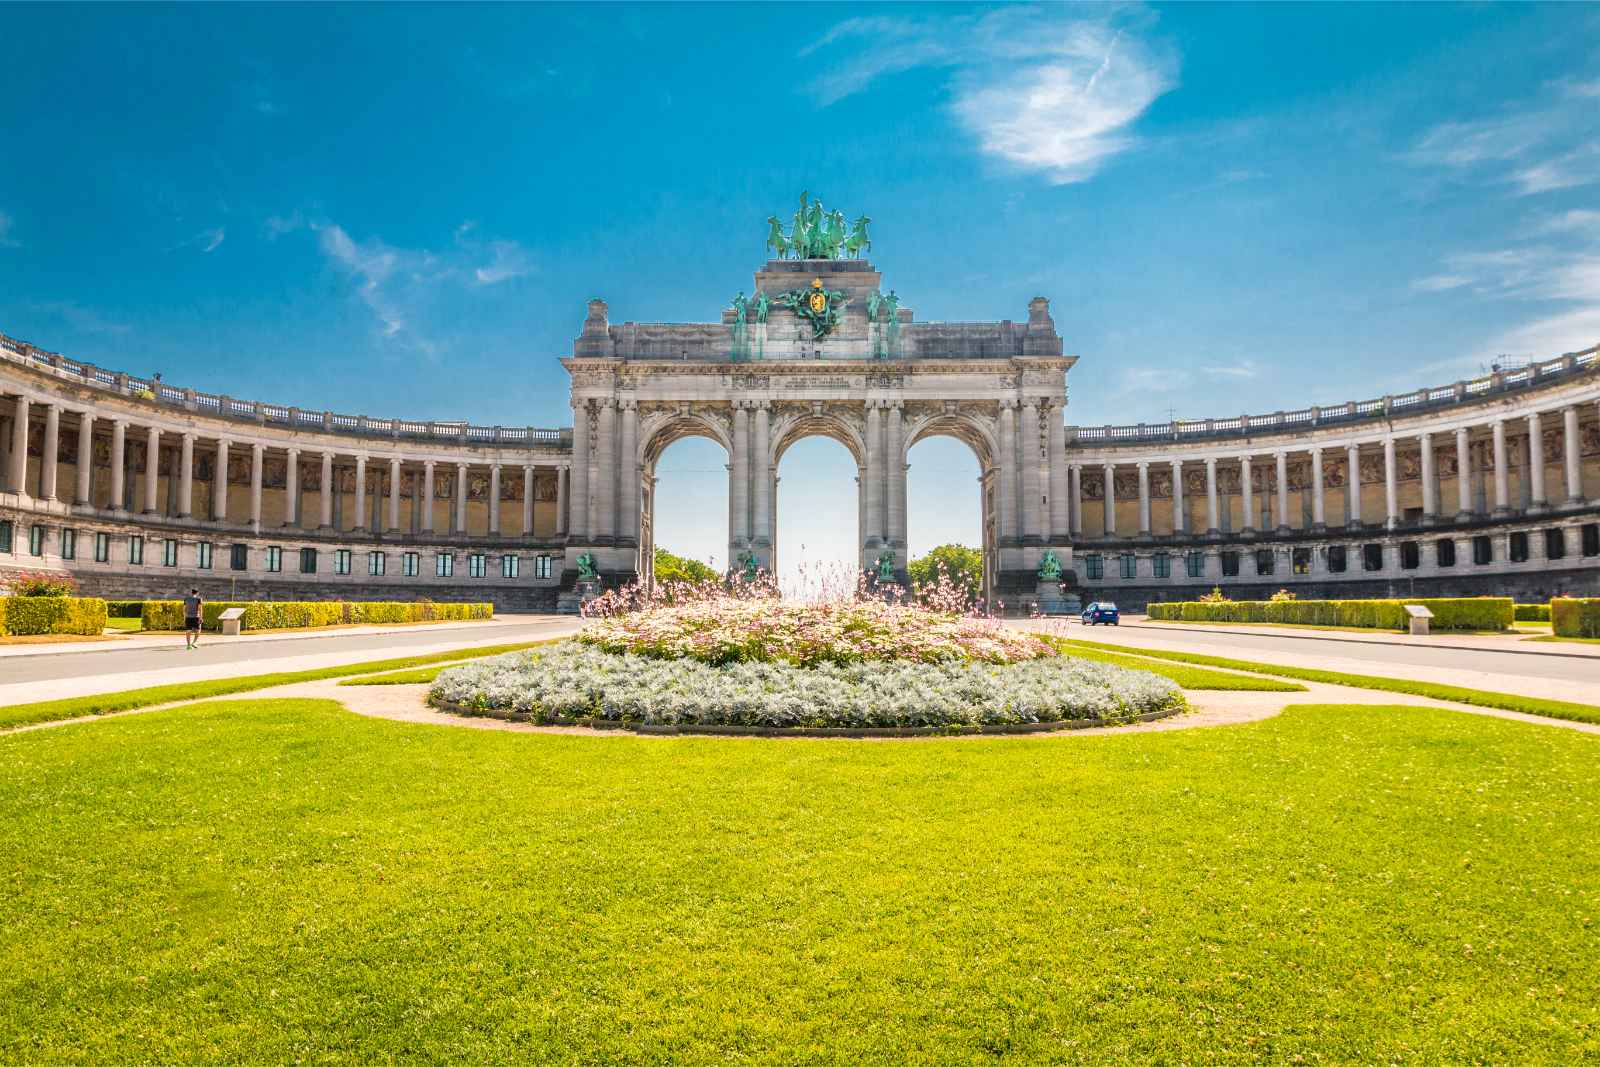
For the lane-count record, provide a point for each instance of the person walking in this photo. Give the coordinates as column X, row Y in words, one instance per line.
column 191, row 619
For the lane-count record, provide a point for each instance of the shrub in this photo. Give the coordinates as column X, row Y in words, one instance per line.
column 1575, row 616
column 1533, row 613
column 38, row 585
column 1452, row 613
column 1282, row 594
column 29, row 615
column 1216, row 596
column 162, row 615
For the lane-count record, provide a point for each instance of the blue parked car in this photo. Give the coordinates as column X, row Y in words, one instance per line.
column 1100, row 611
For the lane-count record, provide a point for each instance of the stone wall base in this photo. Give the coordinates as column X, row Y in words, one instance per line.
column 138, row 587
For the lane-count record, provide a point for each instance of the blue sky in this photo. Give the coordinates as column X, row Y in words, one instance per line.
column 402, row 209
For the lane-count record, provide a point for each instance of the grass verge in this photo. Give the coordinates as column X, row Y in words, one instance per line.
column 1550, row 709
column 1188, row 677
column 1201, row 625
column 415, row 676
column 127, row 699
column 261, row 881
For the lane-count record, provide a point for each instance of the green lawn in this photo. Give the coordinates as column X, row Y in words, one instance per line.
column 1187, row 676
column 127, row 626
column 416, row 676
column 265, row 881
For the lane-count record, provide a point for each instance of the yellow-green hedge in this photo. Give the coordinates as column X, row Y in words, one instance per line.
column 1533, row 613
column 1575, row 616
column 294, row 614
column 52, row 615
column 1453, row 613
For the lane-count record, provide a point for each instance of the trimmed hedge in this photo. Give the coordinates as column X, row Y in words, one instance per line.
column 26, row 615
column 292, row 614
column 125, row 609
column 1533, row 613
column 1455, row 613
column 1575, row 616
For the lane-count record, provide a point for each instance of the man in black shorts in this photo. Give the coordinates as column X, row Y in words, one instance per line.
column 191, row 619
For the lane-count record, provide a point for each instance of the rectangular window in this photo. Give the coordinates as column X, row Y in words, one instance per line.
column 541, row 566
column 1555, row 544
column 1230, row 564
column 202, row 555
column 102, row 547
column 1128, row 565
column 444, row 565
column 1410, row 555
column 1266, row 561
column 1195, row 564
column 1519, row 547
column 1591, row 539
column 1372, row 557
column 308, row 561
column 7, row 534
column 509, row 566
column 1300, row 561
column 136, row 549
column 1444, row 552
column 1161, row 565
column 169, row 552
column 239, row 557
column 341, row 561
column 477, row 565
column 274, row 559
column 1336, row 559
column 69, row 543
column 376, row 561
column 1094, row 567
column 35, row 539
column 408, row 564
column 1482, row 550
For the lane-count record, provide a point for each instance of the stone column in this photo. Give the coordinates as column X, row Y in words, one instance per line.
column 325, row 521
column 494, row 500
column 1028, row 441
column 1502, row 471
column 186, row 477
column 1075, row 512
column 1060, row 504
column 1213, row 526
column 119, row 466
column 427, row 496
column 1352, row 486
column 393, row 525
column 257, row 461
column 604, row 486
column 460, row 525
column 1007, row 462
column 50, row 455
column 1391, row 487
column 219, row 483
column 152, row 469
column 1247, row 493
column 527, row 501
column 1179, row 525
column 1572, row 449
column 291, row 489
column 563, row 476
column 83, row 496
column 19, row 448
column 1109, row 499
column 894, row 462
column 578, row 521
column 1282, row 475
column 1536, row 497
column 739, row 489
column 361, row 492
column 628, row 468
column 761, row 465
column 1463, row 475
column 1144, row 499
column 1319, row 512
column 875, row 479
column 1430, row 487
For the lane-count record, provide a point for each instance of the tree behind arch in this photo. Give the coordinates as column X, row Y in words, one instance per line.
column 670, row 567
column 959, row 564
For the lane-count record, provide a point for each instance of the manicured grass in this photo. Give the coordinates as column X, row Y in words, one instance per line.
column 129, row 626
column 417, row 676
column 267, row 881
column 74, row 707
column 1571, row 640
column 1186, row 676
column 1202, row 624
column 1553, row 709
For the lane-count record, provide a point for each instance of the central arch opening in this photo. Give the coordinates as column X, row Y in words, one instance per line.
column 818, row 546
column 690, row 502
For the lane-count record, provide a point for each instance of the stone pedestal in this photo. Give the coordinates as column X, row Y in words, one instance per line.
column 572, row 602
column 1053, row 600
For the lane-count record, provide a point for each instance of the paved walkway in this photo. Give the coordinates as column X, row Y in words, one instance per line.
column 102, row 669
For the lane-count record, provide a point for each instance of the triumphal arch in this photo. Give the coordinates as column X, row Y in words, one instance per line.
column 820, row 346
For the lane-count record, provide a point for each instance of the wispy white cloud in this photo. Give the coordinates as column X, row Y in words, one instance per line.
column 1052, row 90
column 6, row 239
column 211, row 240
column 1542, row 146
column 1240, row 369
column 1560, row 286
column 79, row 317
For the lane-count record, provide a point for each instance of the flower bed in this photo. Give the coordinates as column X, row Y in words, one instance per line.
column 583, row 682
column 767, row 630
